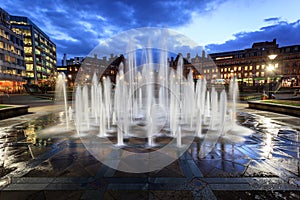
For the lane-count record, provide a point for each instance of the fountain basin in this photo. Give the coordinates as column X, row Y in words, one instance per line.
column 13, row 111
column 279, row 108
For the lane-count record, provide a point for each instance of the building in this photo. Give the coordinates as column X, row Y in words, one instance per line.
column 40, row 51
column 264, row 62
column 70, row 68
column 101, row 66
column 12, row 64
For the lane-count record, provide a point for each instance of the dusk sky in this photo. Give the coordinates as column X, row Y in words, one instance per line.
column 76, row 27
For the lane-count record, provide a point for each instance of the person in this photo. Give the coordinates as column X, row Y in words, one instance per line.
column 264, row 96
column 272, row 96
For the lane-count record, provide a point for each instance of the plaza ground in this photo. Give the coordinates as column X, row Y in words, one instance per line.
column 58, row 166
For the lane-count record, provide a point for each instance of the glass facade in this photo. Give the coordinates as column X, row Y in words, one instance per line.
column 12, row 64
column 40, row 51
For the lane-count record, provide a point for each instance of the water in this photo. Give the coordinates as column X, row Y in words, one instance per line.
column 155, row 100
column 61, row 94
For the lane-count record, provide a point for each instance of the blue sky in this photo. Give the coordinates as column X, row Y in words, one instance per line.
column 77, row 26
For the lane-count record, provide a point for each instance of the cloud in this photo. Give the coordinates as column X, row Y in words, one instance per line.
column 272, row 19
column 285, row 33
column 77, row 26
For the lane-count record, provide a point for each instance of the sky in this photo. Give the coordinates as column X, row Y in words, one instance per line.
column 78, row 26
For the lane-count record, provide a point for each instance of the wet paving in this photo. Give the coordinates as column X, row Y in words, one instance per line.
column 35, row 165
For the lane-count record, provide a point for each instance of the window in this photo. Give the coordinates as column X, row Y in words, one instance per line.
column 257, row 74
column 29, row 67
column 234, row 69
column 257, row 67
column 29, row 74
column 7, row 58
column 225, row 69
column 262, row 66
column 250, row 67
column 246, row 68
column 13, row 59
column 240, row 68
column 28, row 50
column 221, row 69
column 246, row 74
column 262, row 73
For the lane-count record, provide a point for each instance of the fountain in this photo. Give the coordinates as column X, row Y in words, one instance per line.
column 152, row 106
column 182, row 108
column 61, row 95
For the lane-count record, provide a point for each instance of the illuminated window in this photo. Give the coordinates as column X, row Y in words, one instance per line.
column 7, row 58
column 225, row 69
column 246, row 68
column 257, row 74
column 13, row 59
column 29, row 75
column 221, row 69
column 257, row 67
column 262, row 73
column 239, row 75
column 29, row 67
column 262, row 66
column 28, row 50
column 240, row 68
column 235, row 69
column 250, row 67
column 246, row 74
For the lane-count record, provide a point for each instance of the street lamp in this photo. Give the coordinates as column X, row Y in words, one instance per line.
column 271, row 68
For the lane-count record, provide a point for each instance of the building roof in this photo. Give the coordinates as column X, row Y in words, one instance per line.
column 28, row 22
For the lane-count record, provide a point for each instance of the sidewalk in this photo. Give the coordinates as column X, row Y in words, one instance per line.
column 265, row 166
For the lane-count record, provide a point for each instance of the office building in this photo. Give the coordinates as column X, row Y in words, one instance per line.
column 40, row 51
column 12, row 65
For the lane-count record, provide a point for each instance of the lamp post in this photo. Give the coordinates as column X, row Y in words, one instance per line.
column 271, row 69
